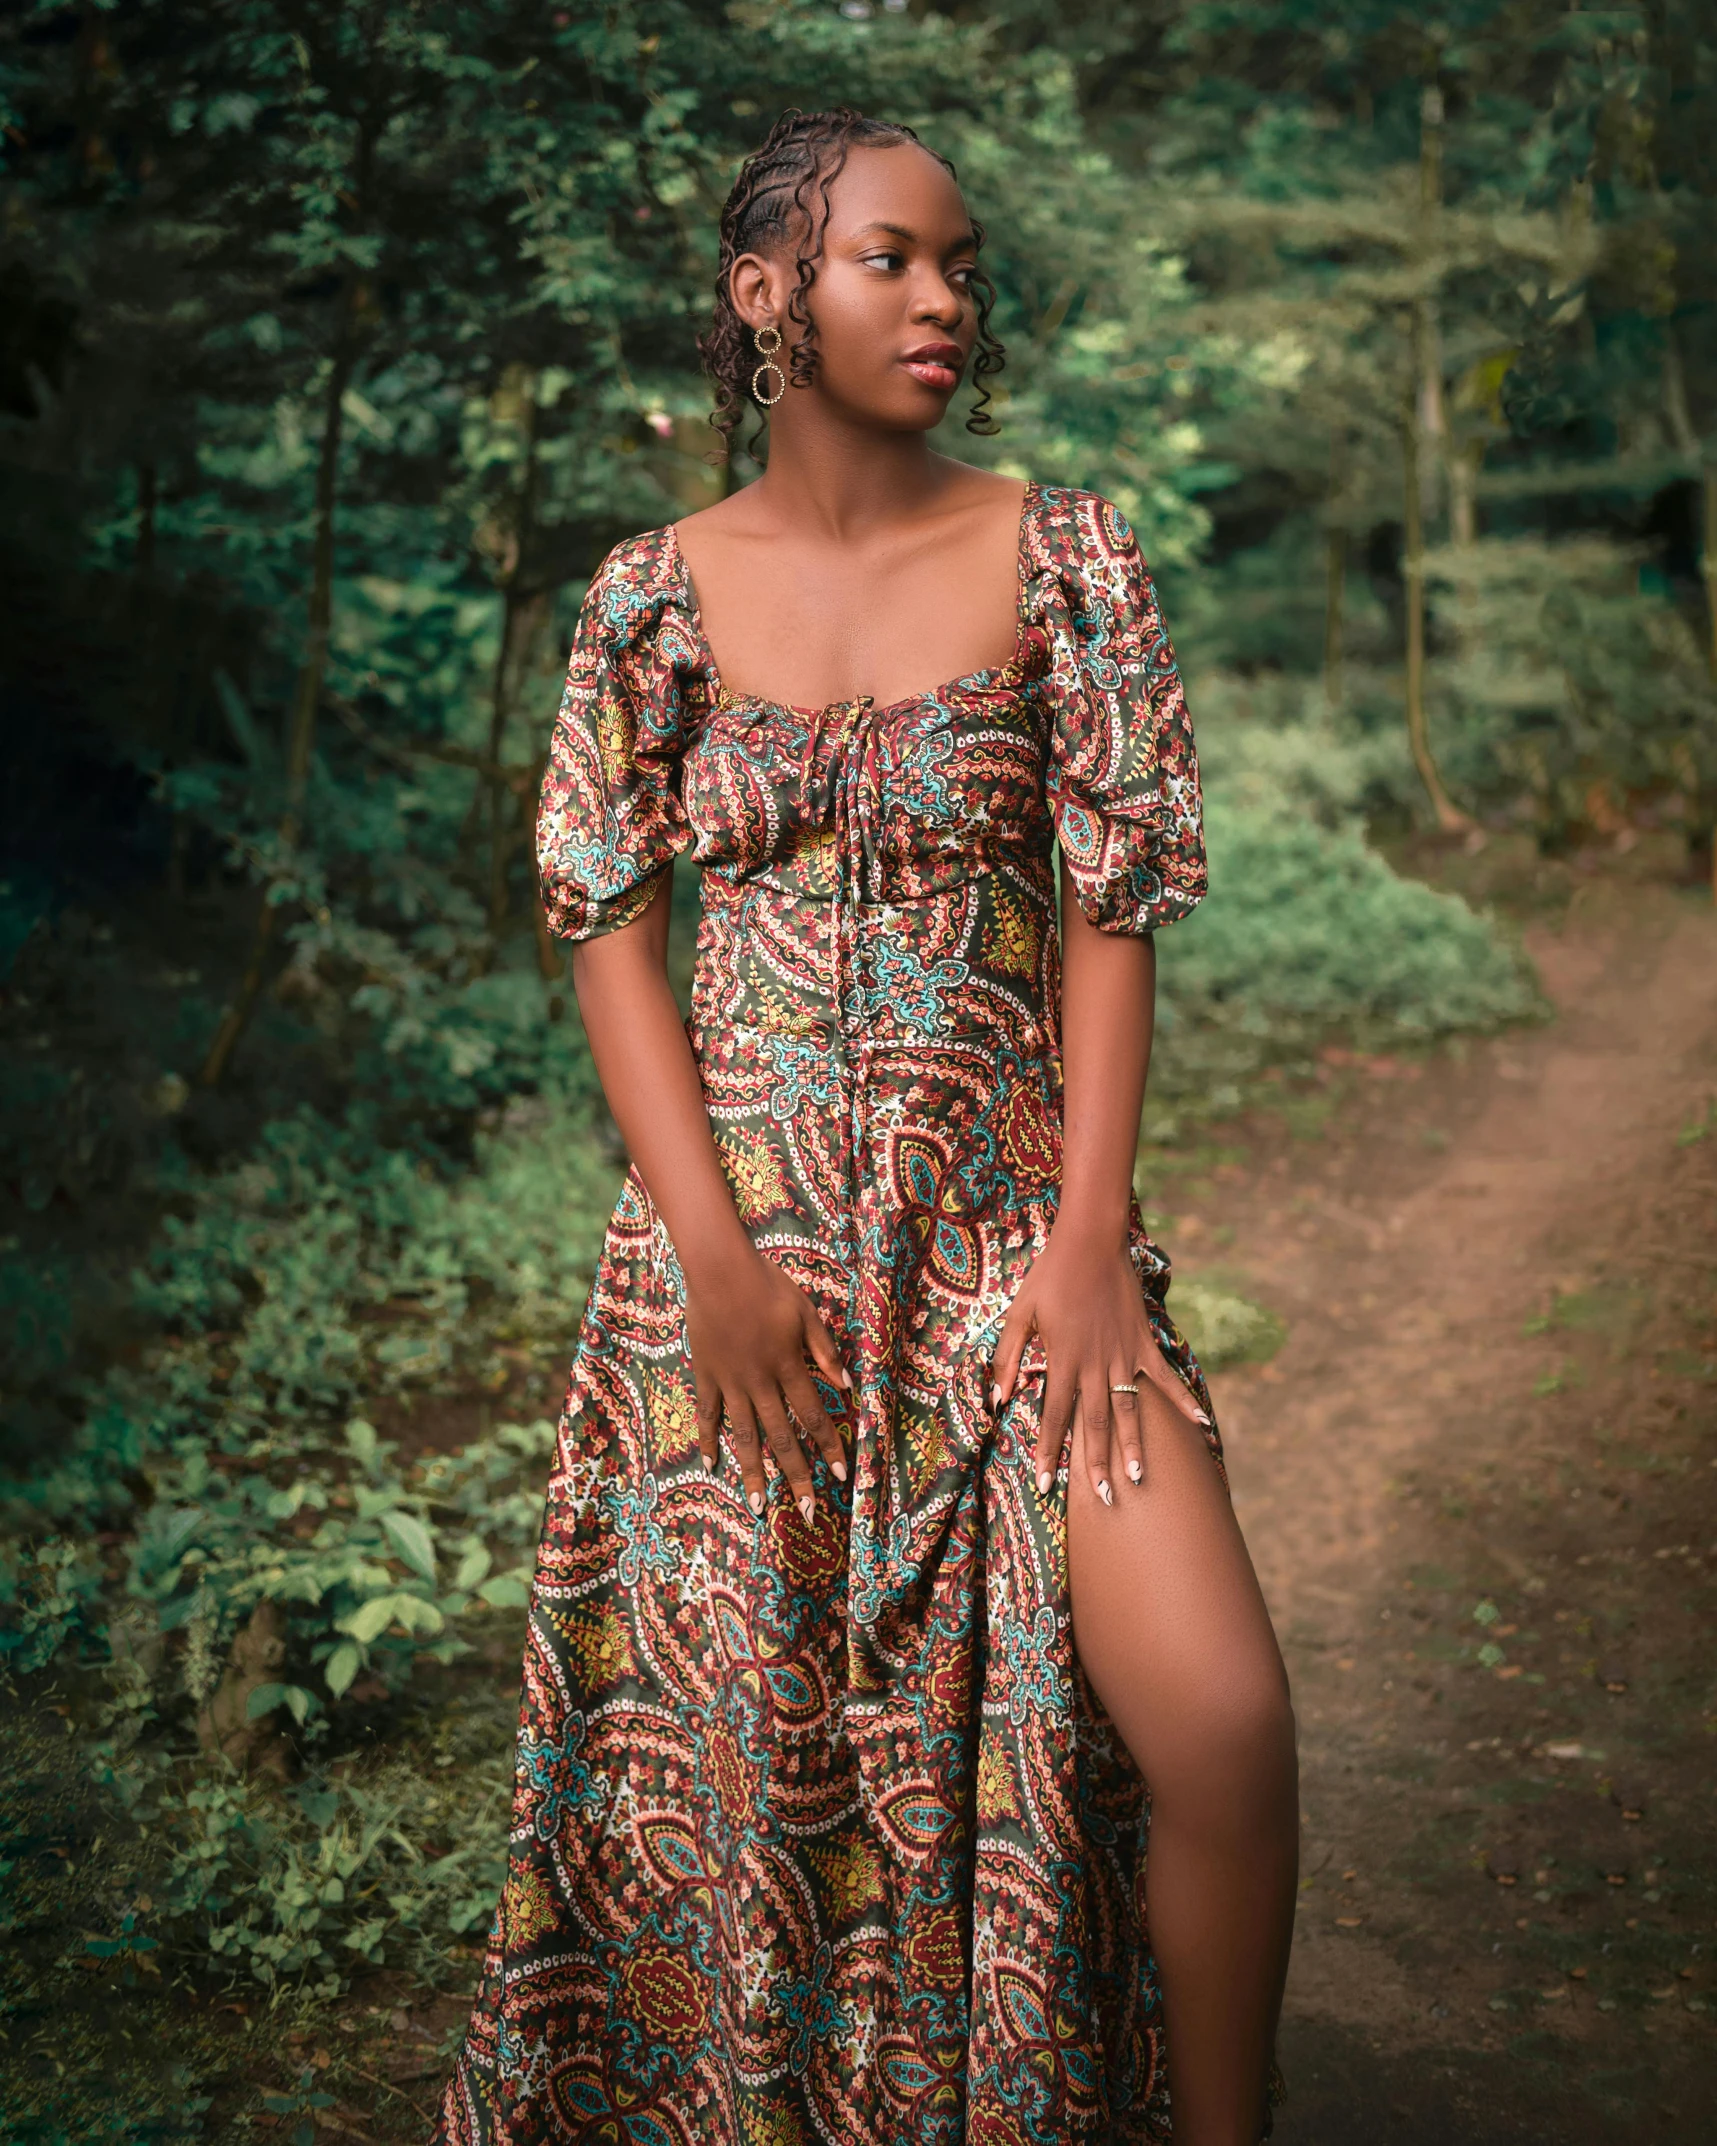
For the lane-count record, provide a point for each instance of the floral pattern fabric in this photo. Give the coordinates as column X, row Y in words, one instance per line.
column 819, row 1832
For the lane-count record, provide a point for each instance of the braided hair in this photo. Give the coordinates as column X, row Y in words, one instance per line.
column 771, row 204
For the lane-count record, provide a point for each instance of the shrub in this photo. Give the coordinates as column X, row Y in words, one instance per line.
column 1307, row 928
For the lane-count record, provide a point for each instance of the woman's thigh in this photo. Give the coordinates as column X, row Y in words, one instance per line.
column 1168, row 1617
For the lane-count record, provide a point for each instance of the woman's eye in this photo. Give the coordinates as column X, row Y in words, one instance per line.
column 889, row 259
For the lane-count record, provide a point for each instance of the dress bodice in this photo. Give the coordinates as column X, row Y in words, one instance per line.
column 1081, row 736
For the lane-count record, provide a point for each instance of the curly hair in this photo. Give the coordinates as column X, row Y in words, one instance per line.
column 771, row 204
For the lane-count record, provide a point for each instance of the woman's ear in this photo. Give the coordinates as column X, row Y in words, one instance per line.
column 752, row 284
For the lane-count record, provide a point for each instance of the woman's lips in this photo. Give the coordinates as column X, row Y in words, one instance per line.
column 937, row 372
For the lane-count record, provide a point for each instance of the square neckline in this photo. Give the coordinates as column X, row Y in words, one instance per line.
column 723, row 697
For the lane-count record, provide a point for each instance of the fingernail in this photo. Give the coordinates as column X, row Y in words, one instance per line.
column 1044, row 1479
column 808, row 1506
column 1105, row 1493
column 710, row 1463
column 1198, row 1416
column 754, row 1498
column 995, row 1397
column 1135, row 1471
column 847, row 1380
column 838, row 1469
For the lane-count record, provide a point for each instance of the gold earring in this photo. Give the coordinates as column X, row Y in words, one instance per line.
column 767, row 350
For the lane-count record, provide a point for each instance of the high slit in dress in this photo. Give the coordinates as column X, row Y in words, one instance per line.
column 819, row 1832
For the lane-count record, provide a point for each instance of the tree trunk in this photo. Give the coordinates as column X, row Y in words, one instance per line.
column 521, row 616
column 1450, row 818
column 1335, row 568
column 1422, row 414
column 1682, row 431
column 307, row 694
column 522, row 624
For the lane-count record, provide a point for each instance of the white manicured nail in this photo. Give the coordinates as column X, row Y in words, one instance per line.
column 1135, row 1471
column 995, row 1397
column 838, row 1469
column 754, row 1498
column 710, row 1463
column 1044, row 1479
column 808, row 1506
column 1198, row 1416
column 1105, row 1493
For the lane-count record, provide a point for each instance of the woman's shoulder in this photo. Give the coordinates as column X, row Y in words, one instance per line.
column 636, row 594
column 1081, row 535
column 647, row 563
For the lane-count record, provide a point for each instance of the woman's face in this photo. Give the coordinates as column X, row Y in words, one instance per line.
column 892, row 298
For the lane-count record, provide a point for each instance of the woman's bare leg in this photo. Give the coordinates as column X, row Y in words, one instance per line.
column 1172, row 1631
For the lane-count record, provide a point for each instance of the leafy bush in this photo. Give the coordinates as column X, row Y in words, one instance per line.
column 1574, row 683
column 1308, row 928
column 306, row 1884
column 325, row 1267
column 1308, row 933
column 1223, row 1327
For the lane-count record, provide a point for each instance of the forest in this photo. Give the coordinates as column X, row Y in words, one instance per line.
column 339, row 340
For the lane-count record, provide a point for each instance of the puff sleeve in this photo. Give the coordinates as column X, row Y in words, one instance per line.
column 1122, row 776
column 610, row 818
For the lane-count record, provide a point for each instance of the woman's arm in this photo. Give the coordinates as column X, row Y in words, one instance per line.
column 748, row 1328
column 1082, row 1295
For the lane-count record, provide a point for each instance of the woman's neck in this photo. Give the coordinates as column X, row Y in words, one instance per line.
column 839, row 482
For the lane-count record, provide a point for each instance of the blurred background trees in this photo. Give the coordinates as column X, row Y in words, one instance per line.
column 337, row 344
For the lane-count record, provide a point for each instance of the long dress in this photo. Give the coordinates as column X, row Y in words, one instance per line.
column 819, row 1833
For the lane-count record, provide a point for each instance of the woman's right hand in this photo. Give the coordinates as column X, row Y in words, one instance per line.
column 749, row 1331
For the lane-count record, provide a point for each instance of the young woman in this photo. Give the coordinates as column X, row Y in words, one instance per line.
column 888, row 1553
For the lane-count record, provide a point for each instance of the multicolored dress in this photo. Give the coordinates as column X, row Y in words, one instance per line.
column 820, row 1834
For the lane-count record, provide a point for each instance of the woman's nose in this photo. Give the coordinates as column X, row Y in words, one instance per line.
column 938, row 301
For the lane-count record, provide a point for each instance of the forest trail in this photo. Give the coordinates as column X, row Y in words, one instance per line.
column 1484, row 1431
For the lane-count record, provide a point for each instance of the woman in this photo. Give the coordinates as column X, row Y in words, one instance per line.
column 888, row 1553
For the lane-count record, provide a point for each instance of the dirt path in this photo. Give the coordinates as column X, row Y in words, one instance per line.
column 1491, row 1429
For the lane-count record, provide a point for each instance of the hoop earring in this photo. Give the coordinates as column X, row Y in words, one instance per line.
column 767, row 350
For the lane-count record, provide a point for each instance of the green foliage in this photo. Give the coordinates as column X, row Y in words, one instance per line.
column 1310, row 928
column 1224, row 1327
column 1574, row 683
column 309, row 1886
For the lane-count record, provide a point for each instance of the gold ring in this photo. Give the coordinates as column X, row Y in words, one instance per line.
column 1123, row 1389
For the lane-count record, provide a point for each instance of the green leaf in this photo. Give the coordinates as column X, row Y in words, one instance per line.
column 371, row 1619
column 342, row 1666
column 422, row 1619
column 505, row 1591
column 263, row 1700
column 320, row 1805
column 412, row 1540
column 361, row 1442
column 473, row 1568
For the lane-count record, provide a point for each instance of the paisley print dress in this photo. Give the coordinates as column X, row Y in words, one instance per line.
column 819, row 1833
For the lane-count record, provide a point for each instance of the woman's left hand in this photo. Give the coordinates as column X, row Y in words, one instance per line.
column 1084, row 1303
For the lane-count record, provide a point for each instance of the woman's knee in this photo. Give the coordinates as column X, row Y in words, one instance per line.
column 1230, row 1745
